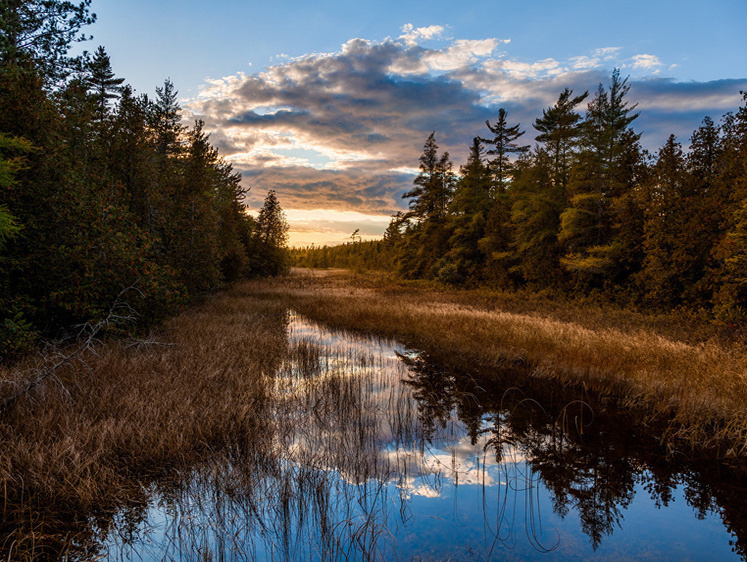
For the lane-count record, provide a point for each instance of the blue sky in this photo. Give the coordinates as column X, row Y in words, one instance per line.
column 329, row 102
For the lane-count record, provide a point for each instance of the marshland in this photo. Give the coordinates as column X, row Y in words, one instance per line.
column 330, row 415
column 531, row 346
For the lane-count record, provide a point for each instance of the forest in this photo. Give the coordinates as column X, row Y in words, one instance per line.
column 585, row 211
column 108, row 203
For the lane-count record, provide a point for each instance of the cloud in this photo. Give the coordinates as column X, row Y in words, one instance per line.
column 647, row 62
column 344, row 130
column 412, row 35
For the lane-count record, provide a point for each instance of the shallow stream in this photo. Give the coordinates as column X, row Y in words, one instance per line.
column 373, row 451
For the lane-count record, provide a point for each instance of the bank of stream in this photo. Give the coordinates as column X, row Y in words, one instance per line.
column 358, row 447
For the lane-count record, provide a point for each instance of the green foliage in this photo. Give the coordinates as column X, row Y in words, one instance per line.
column 586, row 212
column 17, row 335
column 41, row 32
column 115, row 200
column 269, row 249
column 503, row 146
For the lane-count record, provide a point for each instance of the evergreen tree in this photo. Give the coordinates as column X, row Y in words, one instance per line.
column 559, row 130
column 537, row 200
column 731, row 184
column 664, row 268
column 603, row 174
column 9, row 167
column 269, row 254
column 426, row 239
column 102, row 81
column 467, row 219
column 504, row 145
column 433, row 187
column 165, row 120
column 41, row 32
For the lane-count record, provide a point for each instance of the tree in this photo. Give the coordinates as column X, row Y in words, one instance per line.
column 427, row 239
column 666, row 267
column 468, row 216
column 269, row 255
column 41, row 32
column 603, row 174
column 9, row 226
column 433, row 187
column 165, row 120
column 559, row 130
column 504, row 145
column 102, row 81
column 537, row 200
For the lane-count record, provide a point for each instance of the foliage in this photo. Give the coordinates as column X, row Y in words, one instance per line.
column 269, row 245
column 102, row 190
column 586, row 212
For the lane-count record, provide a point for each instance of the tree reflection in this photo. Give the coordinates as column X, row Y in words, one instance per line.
column 587, row 453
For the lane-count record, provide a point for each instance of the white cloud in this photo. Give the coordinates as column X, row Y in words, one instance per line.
column 647, row 62
column 344, row 130
column 412, row 35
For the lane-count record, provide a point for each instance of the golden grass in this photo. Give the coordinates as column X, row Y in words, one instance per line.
column 87, row 440
column 701, row 386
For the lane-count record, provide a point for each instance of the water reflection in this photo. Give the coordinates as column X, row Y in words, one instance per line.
column 378, row 453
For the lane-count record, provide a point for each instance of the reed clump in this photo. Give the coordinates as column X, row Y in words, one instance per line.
column 87, row 439
column 700, row 386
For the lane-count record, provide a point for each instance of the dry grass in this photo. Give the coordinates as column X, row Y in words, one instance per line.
column 85, row 443
column 701, row 387
column 87, row 440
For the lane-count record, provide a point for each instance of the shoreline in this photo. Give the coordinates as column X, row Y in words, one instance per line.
column 699, row 386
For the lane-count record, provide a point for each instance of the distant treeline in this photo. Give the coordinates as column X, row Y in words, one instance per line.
column 105, row 196
column 586, row 210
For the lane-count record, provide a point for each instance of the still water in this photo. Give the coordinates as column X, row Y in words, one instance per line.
column 372, row 451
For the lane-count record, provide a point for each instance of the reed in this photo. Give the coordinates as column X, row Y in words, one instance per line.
column 698, row 384
column 86, row 440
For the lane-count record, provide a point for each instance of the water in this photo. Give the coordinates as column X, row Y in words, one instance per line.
column 374, row 452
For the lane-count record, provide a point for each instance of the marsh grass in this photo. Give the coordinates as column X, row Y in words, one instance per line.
column 221, row 391
column 697, row 385
column 85, row 441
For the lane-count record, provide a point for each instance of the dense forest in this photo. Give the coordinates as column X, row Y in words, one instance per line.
column 106, row 198
column 586, row 210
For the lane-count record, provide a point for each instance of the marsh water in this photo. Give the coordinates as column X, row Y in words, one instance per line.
column 373, row 451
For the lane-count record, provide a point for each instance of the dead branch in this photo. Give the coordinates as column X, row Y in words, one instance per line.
column 119, row 313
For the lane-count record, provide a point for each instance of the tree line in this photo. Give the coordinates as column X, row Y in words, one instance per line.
column 105, row 195
column 585, row 210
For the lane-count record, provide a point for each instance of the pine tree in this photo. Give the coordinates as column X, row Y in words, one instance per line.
column 665, row 267
column 102, row 81
column 537, row 200
column 41, row 32
column 603, row 174
column 504, row 145
column 9, row 167
column 269, row 254
column 559, row 130
column 433, row 187
column 426, row 241
column 165, row 120
column 467, row 218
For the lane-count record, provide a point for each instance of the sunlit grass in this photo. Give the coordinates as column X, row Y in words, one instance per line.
column 701, row 386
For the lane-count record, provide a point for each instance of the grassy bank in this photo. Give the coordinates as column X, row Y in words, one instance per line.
column 669, row 366
column 121, row 414
column 89, row 440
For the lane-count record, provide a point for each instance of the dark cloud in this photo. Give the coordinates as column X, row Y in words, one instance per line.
column 367, row 110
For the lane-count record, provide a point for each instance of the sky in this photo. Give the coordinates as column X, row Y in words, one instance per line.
column 329, row 103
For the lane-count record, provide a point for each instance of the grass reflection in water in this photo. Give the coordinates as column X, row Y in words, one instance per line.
column 376, row 453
